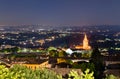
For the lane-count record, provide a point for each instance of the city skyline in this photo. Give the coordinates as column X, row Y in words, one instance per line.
column 59, row 12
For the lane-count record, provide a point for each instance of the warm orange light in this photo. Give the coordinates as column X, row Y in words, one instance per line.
column 85, row 44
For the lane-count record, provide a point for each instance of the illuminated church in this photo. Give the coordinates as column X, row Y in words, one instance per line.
column 85, row 44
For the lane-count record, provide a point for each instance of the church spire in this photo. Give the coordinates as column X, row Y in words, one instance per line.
column 85, row 37
column 86, row 43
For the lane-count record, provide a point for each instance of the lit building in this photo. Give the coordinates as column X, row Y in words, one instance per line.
column 85, row 44
column 41, row 41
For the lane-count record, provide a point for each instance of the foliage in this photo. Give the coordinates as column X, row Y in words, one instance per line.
column 15, row 49
column 52, row 48
column 31, row 50
column 21, row 72
column 4, row 72
column 61, row 60
column 74, row 74
column 59, row 76
column 33, row 74
column 62, row 54
column 86, row 75
column 111, row 77
column 76, row 54
column 69, row 62
column 97, row 60
column 83, row 66
column 53, row 53
column 86, row 55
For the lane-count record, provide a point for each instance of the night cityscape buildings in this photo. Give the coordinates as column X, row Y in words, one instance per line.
column 60, row 36
column 37, row 42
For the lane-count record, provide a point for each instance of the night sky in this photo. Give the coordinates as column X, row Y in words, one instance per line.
column 60, row 12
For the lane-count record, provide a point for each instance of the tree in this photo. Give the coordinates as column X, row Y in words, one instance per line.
column 15, row 49
column 53, row 51
column 97, row 60
column 76, row 54
column 83, row 66
column 62, row 54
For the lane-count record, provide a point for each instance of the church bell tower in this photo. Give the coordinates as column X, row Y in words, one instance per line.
column 86, row 43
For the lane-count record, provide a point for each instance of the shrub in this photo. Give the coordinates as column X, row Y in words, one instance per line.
column 111, row 77
column 21, row 72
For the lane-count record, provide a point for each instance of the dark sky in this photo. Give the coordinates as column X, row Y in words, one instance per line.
column 59, row 12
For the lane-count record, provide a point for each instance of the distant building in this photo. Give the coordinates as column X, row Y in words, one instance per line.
column 85, row 44
column 85, row 48
column 69, row 51
column 41, row 42
column 6, row 46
